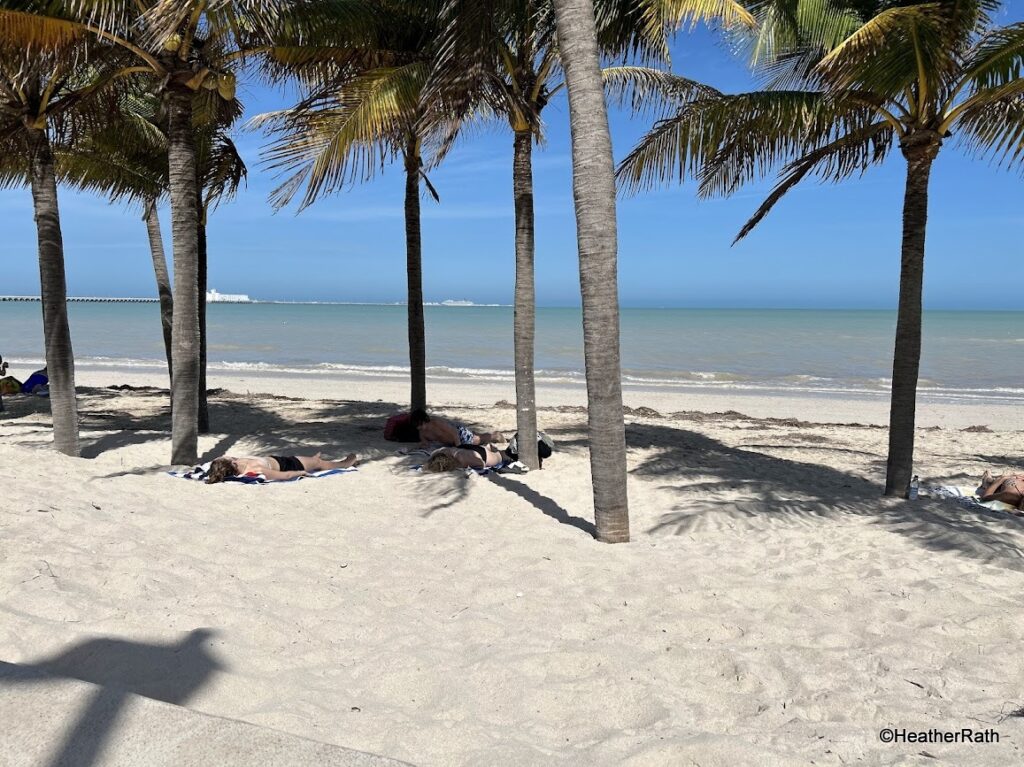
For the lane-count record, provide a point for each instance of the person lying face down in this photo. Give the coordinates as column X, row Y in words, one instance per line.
column 466, row 457
column 435, row 429
column 274, row 467
column 1008, row 488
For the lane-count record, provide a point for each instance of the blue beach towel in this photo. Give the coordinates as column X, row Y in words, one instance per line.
column 199, row 473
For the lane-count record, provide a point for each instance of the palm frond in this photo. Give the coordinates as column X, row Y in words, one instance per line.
column 645, row 90
column 676, row 14
column 744, row 135
column 996, row 59
column 849, row 154
column 19, row 29
column 899, row 48
column 795, row 34
column 995, row 129
column 344, row 136
column 221, row 169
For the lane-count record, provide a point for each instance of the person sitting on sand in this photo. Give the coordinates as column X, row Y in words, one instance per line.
column 274, row 467
column 1008, row 488
column 466, row 457
column 434, row 429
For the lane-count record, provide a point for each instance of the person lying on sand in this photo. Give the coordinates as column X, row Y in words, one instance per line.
column 274, row 467
column 434, row 429
column 1008, row 488
column 466, row 457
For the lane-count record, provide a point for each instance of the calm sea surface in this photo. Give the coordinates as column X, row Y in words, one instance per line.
column 967, row 355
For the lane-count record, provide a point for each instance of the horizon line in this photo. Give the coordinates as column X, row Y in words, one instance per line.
column 466, row 304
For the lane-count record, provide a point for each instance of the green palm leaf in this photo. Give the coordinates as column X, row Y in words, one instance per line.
column 344, row 136
column 848, row 154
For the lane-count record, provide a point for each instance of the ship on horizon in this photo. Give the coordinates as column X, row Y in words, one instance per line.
column 213, row 297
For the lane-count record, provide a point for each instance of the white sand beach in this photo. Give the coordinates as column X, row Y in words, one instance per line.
column 771, row 608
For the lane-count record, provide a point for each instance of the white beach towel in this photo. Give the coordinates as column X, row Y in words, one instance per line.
column 966, row 497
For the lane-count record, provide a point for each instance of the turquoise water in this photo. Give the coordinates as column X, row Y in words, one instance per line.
column 966, row 354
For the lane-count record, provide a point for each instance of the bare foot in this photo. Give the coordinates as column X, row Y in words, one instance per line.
column 986, row 478
column 349, row 461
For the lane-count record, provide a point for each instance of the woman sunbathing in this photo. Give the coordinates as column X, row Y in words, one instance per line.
column 466, row 457
column 1008, row 488
column 274, row 467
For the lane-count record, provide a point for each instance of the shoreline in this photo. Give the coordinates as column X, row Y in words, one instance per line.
column 451, row 392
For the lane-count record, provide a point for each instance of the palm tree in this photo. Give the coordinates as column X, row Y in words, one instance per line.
column 364, row 107
column 222, row 172
column 47, row 93
column 849, row 86
column 594, row 193
column 185, row 46
column 506, row 52
column 126, row 160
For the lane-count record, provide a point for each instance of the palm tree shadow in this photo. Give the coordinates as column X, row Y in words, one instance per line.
column 171, row 672
column 544, row 504
column 451, row 489
column 334, row 427
column 774, row 489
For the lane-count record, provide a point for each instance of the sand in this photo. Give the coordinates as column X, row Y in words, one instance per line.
column 771, row 608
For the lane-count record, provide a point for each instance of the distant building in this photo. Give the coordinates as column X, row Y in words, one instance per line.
column 213, row 297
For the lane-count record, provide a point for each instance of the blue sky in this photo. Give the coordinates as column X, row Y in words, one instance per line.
column 823, row 246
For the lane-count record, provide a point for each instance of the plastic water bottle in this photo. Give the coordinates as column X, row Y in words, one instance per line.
column 915, row 487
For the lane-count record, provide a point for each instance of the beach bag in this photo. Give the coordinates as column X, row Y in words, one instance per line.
column 10, row 385
column 545, row 447
column 399, row 428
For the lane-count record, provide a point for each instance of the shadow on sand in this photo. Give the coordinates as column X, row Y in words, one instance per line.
column 171, row 672
column 770, row 488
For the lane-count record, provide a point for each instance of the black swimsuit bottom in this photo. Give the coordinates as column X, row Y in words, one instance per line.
column 288, row 463
column 478, row 449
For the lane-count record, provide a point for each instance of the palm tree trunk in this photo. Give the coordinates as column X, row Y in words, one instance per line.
column 204, row 409
column 60, row 358
column 907, row 354
column 525, row 300
column 414, row 271
column 163, row 280
column 185, row 228
column 594, row 193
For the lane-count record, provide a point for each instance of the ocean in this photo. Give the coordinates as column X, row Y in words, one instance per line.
column 967, row 356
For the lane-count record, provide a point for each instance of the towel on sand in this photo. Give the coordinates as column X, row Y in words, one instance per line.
column 200, row 473
column 966, row 497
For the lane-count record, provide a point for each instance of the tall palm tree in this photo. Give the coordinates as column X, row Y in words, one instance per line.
column 848, row 87
column 594, row 193
column 506, row 52
column 364, row 107
column 185, row 46
column 48, row 93
column 126, row 160
column 222, row 172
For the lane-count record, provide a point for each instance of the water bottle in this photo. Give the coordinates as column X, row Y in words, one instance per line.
column 915, row 486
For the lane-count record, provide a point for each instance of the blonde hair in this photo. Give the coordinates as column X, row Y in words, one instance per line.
column 221, row 469
column 441, row 462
